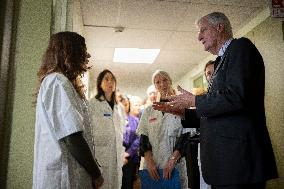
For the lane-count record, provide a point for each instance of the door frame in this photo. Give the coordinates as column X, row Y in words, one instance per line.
column 8, row 22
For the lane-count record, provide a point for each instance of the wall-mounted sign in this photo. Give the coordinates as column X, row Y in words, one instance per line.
column 277, row 8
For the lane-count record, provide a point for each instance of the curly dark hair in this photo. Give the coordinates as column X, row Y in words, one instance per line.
column 100, row 91
column 67, row 54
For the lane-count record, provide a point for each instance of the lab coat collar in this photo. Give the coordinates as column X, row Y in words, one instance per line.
column 160, row 115
column 102, row 98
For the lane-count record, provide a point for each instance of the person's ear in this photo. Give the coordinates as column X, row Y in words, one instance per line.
column 220, row 28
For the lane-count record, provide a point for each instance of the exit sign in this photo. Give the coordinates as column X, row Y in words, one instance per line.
column 277, row 10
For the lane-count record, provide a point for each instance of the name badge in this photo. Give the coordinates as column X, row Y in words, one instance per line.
column 152, row 120
column 107, row 114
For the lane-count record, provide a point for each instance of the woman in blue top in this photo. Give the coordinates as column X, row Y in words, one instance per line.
column 131, row 143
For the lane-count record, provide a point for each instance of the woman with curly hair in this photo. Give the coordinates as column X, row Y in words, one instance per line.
column 62, row 154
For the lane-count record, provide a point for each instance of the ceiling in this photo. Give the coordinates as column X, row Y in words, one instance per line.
column 168, row 25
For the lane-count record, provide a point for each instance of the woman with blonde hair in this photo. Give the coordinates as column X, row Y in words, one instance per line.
column 161, row 133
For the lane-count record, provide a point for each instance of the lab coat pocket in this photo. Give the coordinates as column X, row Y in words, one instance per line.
column 103, row 156
column 174, row 128
column 104, row 148
column 174, row 131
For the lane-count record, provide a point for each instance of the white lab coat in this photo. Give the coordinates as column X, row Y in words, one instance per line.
column 59, row 113
column 108, row 126
column 163, row 131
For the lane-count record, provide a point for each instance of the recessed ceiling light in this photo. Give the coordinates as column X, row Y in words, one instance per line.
column 135, row 55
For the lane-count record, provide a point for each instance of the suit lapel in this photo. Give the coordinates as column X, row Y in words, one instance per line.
column 220, row 64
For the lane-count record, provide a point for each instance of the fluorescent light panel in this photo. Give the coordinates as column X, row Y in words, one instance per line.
column 135, row 55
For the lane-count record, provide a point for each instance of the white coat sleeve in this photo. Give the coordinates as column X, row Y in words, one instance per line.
column 143, row 123
column 61, row 105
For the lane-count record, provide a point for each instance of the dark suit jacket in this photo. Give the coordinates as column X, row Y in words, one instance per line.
column 235, row 144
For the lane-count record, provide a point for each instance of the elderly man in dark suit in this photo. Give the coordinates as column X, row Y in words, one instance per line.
column 236, row 151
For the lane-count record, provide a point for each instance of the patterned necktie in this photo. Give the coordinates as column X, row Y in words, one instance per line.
column 216, row 63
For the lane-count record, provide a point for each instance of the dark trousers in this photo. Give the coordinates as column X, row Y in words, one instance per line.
column 192, row 165
column 129, row 171
column 242, row 186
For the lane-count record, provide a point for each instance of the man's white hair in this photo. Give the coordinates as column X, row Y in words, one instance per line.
column 216, row 18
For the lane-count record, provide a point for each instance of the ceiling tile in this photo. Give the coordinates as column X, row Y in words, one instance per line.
column 129, row 38
column 165, row 24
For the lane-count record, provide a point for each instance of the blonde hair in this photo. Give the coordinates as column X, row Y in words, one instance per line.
column 162, row 73
column 165, row 75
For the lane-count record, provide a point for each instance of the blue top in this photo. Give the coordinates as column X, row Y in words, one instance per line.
column 130, row 139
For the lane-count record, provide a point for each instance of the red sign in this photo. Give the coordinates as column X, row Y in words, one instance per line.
column 277, row 8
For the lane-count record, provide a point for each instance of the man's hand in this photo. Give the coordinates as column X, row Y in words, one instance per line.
column 169, row 107
column 185, row 98
column 97, row 182
column 177, row 104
